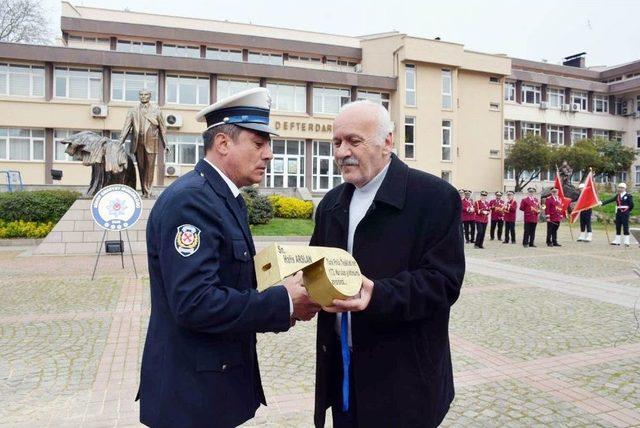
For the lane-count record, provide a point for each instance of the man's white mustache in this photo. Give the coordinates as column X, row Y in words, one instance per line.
column 348, row 162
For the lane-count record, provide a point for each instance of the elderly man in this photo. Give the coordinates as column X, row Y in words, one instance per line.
column 383, row 358
column 199, row 366
column 624, row 205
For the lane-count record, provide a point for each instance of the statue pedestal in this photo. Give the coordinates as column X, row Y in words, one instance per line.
column 77, row 234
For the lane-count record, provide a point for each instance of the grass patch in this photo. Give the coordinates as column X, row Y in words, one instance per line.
column 284, row 227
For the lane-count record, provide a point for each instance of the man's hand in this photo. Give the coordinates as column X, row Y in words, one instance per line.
column 356, row 303
column 303, row 308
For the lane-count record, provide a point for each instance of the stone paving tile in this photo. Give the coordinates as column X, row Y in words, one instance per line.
column 510, row 403
column 532, row 323
column 57, row 295
column 472, row 279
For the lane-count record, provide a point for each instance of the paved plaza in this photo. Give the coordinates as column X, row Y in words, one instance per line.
column 540, row 337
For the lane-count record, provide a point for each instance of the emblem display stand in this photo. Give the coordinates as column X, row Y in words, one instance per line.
column 133, row 261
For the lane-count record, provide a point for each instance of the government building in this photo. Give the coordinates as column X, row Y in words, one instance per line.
column 455, row 111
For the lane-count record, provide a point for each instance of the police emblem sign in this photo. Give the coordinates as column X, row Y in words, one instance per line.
column 116, row 207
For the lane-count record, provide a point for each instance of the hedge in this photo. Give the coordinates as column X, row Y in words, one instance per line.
column 286, row 207
column 24, row 229
column 40, row 206
column 259, row 208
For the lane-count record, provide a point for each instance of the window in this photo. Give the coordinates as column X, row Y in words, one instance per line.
column 555, row 135
column 509, row 91
column 409, row 137
column 509, row 174
column 78, row 83
column 184, row 149
column 340, row 64
column 187, row 90
column 265, row 58
column 581, row 98
column 638, row 103
column 446, row 89
column 125, row 85
column 224, row 54
column 601, row 104
column 494, row 153
column 601, row 133
column 494, row 79
column 326, row 174
column 578, row 134
column 182, row 51
column 617, row 136
column 638, row 139
column 446, row 140
column 555, row 97
column 378, row 97
column 509, row 130
column 59, row 154
column 89, row 42
column 115, row 135
column 21, row 80
column 286, row 169
column 329, row 100
column 531, row 94
column 22, row 144
column 136, row 47
column 304, row 59
column 494, row 106
column 228, row 87
column 410, row 85
column 637, row 175
column 530, row 128
column 292, row 98
column 446, row 176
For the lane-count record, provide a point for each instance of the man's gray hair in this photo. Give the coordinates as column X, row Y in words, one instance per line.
column 383, row 120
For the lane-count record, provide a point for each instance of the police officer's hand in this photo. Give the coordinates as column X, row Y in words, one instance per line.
column 303, row 308
column 356, row 303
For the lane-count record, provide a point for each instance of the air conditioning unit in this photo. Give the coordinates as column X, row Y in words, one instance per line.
column 544, row 105
column 171, row 170
column 565, row 107
column 173, row 120
column 575, row 107
column 99, row 110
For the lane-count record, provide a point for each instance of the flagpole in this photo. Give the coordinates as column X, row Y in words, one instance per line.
column 606, row 229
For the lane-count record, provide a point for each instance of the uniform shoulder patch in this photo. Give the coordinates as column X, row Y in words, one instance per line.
column 187, row 240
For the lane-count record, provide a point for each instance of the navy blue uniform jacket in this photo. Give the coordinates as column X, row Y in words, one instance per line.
column 199, row 366
column 410, row 244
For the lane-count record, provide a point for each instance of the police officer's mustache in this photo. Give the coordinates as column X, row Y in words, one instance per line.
column 348, row 161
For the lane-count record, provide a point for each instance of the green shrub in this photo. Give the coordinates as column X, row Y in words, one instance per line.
column 39, row 206
column 259, row 208
column 286, row 207
column 24, row 229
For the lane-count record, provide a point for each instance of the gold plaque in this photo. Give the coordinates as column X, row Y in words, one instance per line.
column 328, row 273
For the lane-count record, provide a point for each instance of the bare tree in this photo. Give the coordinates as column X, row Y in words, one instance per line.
column 23, row 21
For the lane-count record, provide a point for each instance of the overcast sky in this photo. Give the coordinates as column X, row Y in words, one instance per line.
column 545, row 29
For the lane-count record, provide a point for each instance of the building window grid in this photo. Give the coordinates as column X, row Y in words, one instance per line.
column 555, row 97
column 509, row 130
column 265, row 58
column 409, row 137
column 183, row 51
column 125, row 85
column 601, row 133
column 446, row 89
column 221, row 54
column 637, row 175
column 530, row 128
column 555, row 135
column 329, row 100
column 531, row 94
column 377, row 97
column 286, row 169
column 578, row 134
column 227, row 87
column 600, row 103
column 288, row 98
column 184, row 149
column 133, row 46
column 59, row 154
column 581, row 98
column 326, row 173
column 187, row 90
column 89, row 42
column 446, row 140
column 510, row 91
column 410, row 85
column 22, row 144
column 22, row 80
column 78, row 83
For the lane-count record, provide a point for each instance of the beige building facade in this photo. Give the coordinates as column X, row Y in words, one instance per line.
column 449, row 105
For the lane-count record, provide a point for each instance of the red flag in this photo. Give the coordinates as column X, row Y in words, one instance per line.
column 565, row 201
column 588, row 198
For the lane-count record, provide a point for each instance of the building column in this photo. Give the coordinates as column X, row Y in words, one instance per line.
column 48, row 81
column 589, row 132
column 263, row 82
column 106, row 84
column 245, row 55
column 162, row 80
column 213, row 88
column 158, row 47
column 203, row 51
column 567, row 96
column 590, row 101
column 567, row 135
column 612, row 104
column 519, row 91
column 518, row 129
column 543, row 92
column 48, row 155
column 113, row 43
column 310, row 98
column 308, row 167
column 543, row 131
column 354, row 93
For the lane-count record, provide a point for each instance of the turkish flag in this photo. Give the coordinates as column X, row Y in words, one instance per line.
column 588, row 198
column 565, row 201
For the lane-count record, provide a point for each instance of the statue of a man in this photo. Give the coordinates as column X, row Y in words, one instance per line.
column 148, row 133
column 565, row 173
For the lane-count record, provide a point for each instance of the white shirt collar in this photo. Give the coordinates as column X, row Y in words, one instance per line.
column 622, row 194
column 232, row 186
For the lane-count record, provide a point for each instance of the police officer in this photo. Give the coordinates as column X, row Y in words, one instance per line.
column 531, row 208
column 199, row 365
column 497, row 215
column 482, row 211
column 624, row 205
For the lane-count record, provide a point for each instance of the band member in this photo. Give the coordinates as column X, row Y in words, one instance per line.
column 553, row 214
column 497, row 215
column 482, row 210
column 624, row 205
column 510, row 211
column 531, row 208
column 468, row 217
column 585, row 223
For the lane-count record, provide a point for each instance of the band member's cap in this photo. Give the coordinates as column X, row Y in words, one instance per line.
column 498, row 193
column 510, row 192
column 531, row 189
column 483, row 193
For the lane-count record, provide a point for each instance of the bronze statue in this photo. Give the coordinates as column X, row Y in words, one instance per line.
column 147, row 128
column 110, row 163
